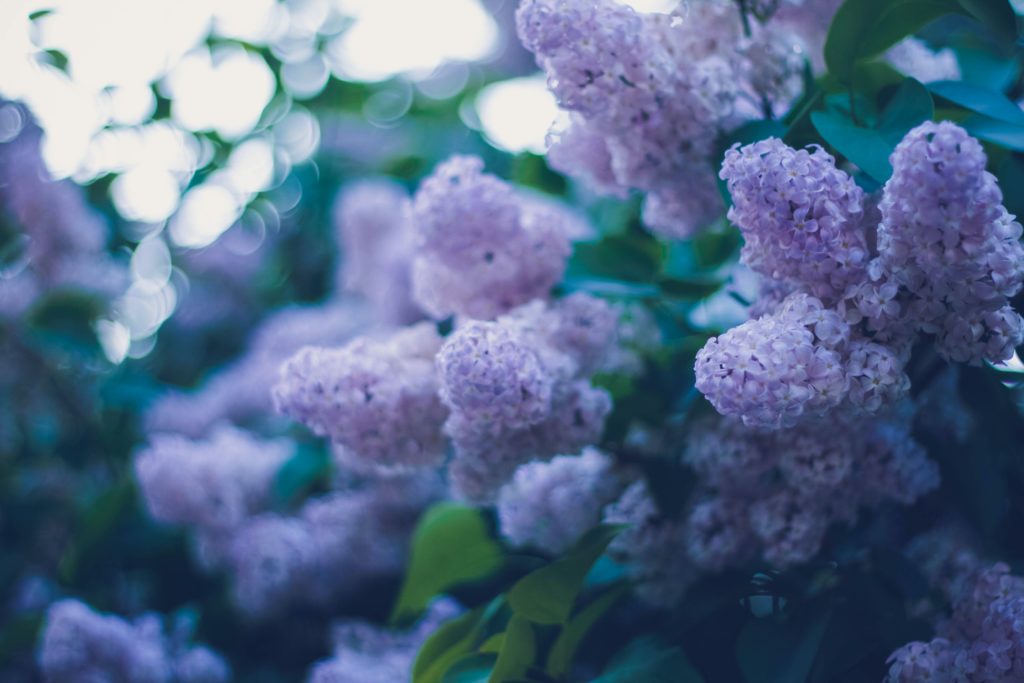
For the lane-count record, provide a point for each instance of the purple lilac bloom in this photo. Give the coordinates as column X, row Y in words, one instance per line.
column 377, row 241
column 329, row 550
column 240, row 392
column 777, row 493
column 364, row 652
column 64, row 239
column 948, row 242
column 215, row 483
column 517, row 389
column 483, row 248
column 549, row 505
column 800, row 216
column 645, row 90
column 916, row 59
column 377, row 399
column 983, row 642
column 78, row 644
column 653, row 548
column 779, row 369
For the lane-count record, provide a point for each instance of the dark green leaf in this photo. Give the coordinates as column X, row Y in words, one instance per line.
column 997, row 132
column 769, row 651
column 863, row 146
column 864, row 28
column 901, row 19
column 546, row 595
column 997, row 15
column 635, row 256
column 301, row 473
column 518, row 649
column 451, row 546
column 569, row 639
column 646, row 660
column 98, row 520
column 687, row 288
column 1011, row 174
column 989, row 103
column 449, row 643
column 475, row 668
column 908, row 108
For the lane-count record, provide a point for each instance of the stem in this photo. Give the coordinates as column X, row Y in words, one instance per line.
column 806, row 108
column 745, row 17
column 853, row 106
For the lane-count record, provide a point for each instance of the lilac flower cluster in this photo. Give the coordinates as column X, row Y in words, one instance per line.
column 239, row 392
column 64, row 238
column 771, row 495
column 376, row 399
column 214, row 484
column 800, row 217
column 781, row 490
column 549, row 505
column 797, row 363
column 648, row 91
column 983, row 642
column 652, row 548
column 916, row 59
column 517, row 389
column 482, row 247
column 375, row 233
column 78, row 644
column 364, row 652
column 325, row 553
column 949, row 244
column 946, row 259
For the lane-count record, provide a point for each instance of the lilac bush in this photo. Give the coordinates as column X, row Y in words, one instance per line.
column 745, row 380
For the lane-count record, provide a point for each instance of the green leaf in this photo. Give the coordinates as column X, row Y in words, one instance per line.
column 634, row 256
column 451, row 546
column 1011, row 174
column 569, row 639
column 475, row 668
column 518, row 649
column 450, row 642
column 901, row 19
column 911, row 106
column 997, row 132
column 769, row 651
column 864, row 28
column 646, row 660
column 613, row 289
column 493, row 644
column 863, row 146
column 300, row 473
column 546, row 595
column 96, row 523
column 988, row 103
column 688, row 288
column 65, row 318
column 997, row 15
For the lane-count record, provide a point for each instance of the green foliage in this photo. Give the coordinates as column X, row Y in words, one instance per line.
column 451, row 546
column 863, row 29
column 647, row 660
column 447, row 645
column 518, row 649
column 571, row 637
column 301, row 473
column 871, row 147
column 771, row 651
column 547, row 595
